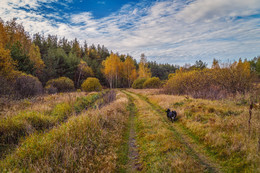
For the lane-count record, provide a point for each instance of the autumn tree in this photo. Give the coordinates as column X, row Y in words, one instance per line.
column 3, row 34
column 111, row 69
column 242, row 75
column 35, row 57
column 129, row 70
column 7, row 65
column 143, row 71
column 16, row 33
column 83, row 72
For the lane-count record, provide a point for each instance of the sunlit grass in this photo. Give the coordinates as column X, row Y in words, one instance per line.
column 87, row 142
column 222, row 126
column 159, row 147
column 13, row 128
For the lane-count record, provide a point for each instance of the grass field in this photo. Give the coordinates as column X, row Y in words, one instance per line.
column 90, row 132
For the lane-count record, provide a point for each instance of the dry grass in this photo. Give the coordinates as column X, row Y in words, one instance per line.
column 145, row 91
column 14, row 128
column 222, row 126
column 40, row 104
column 159, row 148
column 86, row 143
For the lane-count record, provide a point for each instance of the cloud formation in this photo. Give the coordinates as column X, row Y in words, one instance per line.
column 172, row 31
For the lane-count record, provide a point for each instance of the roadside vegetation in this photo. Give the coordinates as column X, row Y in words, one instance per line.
column 13, row 128
column 220, row 126
column 160, row 148
column 87, row 142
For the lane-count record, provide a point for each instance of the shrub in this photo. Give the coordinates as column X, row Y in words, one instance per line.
column 138, row 83
column 153, row 82
column 91, row 84
column 171, row 75
column 215, row 83
column 27, row 85
column 62, row 84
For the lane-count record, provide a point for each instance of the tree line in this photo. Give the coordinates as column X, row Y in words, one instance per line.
column 43, row 58
column 26, row 60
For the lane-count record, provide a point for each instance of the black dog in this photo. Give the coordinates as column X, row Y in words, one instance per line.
column 171, row 115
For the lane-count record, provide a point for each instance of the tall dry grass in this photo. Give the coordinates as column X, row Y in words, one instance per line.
column 159, row 147
column 14, row 128
column 40, row 103
column 222, row 126
column 86, row 143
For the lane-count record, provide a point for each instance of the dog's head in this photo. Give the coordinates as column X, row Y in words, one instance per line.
column 168, row 110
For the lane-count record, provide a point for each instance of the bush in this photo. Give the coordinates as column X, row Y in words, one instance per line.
column 138, row 83
column 27, row 85
column 91, row 84
column 153, row 82
column 215, row 83
column 62, row 84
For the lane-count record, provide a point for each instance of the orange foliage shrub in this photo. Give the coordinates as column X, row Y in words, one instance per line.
column 212, row 83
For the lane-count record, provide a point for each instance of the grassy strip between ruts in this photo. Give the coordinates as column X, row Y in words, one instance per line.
column 159, row 148
column 223, row 140
column 123, row 151
column 85, row 143
column 13, row 128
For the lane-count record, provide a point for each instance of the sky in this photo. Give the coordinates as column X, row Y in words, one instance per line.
column 166, row 31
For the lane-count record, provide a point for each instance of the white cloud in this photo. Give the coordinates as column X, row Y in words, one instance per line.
column 166, row 31
column 215, row 9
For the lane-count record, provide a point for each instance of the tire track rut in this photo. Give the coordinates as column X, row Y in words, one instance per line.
column 195, row 150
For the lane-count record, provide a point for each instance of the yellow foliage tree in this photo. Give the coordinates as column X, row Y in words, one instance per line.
column 129, row 70
column 212, row 83
column 15, row 33
column 83, row 72
column 3, row 34
column 144, row 71
column 6, row 63
column 111, row 69
column 35, row 57
column 242, row 75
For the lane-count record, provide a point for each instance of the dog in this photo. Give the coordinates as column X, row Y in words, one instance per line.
column 171, row 114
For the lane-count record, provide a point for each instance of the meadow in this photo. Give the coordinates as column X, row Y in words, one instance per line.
column 69, row 106
column 128, row 131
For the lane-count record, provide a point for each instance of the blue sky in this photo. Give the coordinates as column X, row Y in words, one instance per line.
column 167, row 31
